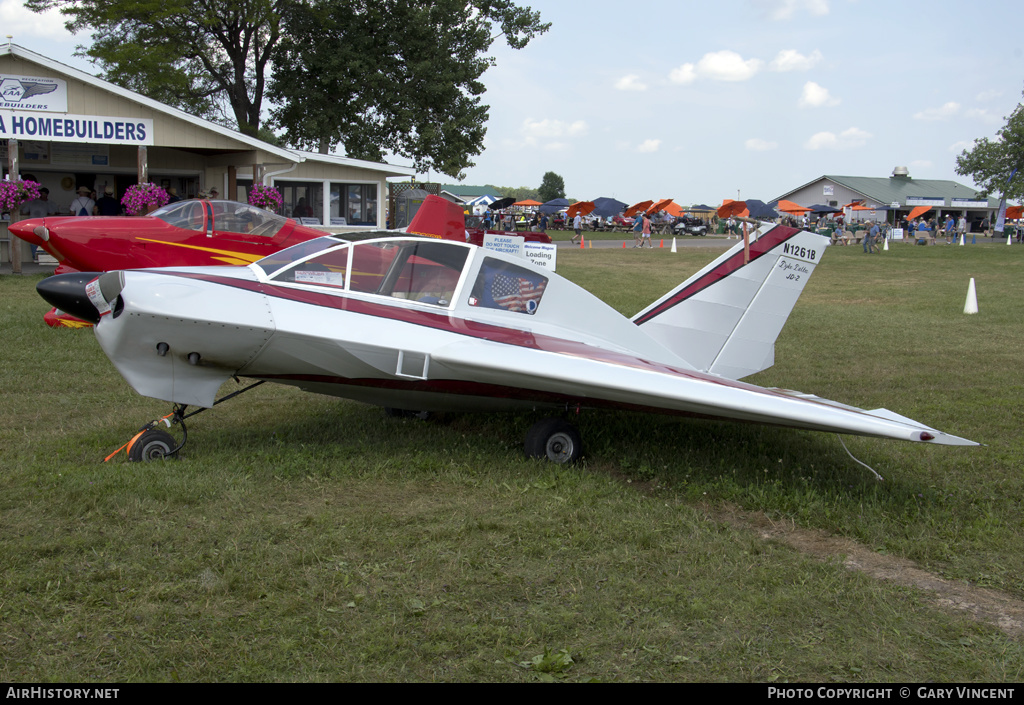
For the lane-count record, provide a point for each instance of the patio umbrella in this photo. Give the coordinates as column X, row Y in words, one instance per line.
column 554, row 205
column 820, row 209
column 1014, row 212
column 502, row 203
column 581, row 207
column 918, row 210
column 528, row 203
column 791, row 208
column 659, row 206
column 760, row 210
column 702, row 207
column 674, row 209
column 637, row 207
column 730, row 208
column 607, row 207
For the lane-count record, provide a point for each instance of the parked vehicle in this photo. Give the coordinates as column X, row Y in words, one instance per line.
column 688, row 225
column 623, row 221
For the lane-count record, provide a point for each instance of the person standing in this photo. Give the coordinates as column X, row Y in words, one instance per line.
column 107, row 204
column 646, row 232
column 947, row 228
column 39, row 208
column 83, row 205
column 961, row 228
column 638, row 224
column 577, row 227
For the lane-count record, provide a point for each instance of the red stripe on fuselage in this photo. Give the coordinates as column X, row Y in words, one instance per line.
column 771, row 239
column 461, row 326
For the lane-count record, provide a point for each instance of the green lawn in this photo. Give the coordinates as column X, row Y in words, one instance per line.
column 304, row 538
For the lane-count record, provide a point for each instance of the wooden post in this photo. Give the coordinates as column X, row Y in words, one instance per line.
column 143, row 165
column 14, row 173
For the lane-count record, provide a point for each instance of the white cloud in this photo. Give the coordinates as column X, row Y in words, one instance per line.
column 17, row 20
column 960, row 146
column 785, row 9
column 815, row 96
column 630, row 83
column 921, row 164
column 683, row 75
column 648, row 146
column 944, row 113
column 984, row 115
column 792, row 60
column 758, row 145
column 852, row 138
column 717, row 66
column 536, row 130
column 985, row 96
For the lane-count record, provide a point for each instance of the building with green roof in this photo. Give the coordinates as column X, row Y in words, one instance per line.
column 895, row 197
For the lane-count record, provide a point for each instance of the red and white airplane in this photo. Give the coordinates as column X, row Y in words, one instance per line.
column 422, row 324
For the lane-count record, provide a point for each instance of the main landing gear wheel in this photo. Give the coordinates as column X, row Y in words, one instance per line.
column 154, row 444
column 554, row 439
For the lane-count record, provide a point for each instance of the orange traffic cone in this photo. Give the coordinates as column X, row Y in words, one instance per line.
column 662, row 245
column 583, row 241
column 623, row 244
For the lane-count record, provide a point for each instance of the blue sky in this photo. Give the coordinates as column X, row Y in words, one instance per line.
column 701, row 101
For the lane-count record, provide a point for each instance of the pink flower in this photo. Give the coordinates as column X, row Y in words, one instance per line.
column 266, row 197
column 139, row 197
column 15, row 193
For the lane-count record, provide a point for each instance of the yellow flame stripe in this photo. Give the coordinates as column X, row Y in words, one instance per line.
column 227, row 255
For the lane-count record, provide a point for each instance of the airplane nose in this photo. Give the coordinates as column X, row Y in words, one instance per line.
column 71, row 292
column 32, row 230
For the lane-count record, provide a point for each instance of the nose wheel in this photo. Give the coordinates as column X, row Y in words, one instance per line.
column 154, row 444
column 556, row 440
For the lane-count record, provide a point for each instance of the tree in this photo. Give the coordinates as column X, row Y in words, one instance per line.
column 991, row 162
column 209, row 57
column 552, row 186
column 374, row 75
column 393, row 76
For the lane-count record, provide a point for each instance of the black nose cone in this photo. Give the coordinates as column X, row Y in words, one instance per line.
column 67, row 293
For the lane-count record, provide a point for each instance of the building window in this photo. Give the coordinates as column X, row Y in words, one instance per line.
column 302, row 199
column 356, row 203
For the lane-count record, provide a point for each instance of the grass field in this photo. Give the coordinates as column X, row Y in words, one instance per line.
column 304, row 538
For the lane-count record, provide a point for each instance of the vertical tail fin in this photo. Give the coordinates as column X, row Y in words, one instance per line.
column 439, row 218
column 725, row 318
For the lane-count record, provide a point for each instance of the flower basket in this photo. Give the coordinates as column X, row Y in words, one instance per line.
column 140, row 199
column 14, row 193
column 266, row 197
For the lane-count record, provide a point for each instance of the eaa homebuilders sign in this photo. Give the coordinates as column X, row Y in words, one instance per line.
column 537, row 252
column 88, row 129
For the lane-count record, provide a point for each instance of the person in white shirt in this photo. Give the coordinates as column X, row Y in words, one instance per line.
column 577, row 226
column 83, row 205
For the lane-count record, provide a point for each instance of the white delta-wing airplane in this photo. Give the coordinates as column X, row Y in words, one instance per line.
column 415, row 324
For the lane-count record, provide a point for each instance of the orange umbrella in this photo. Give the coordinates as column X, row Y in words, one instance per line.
column 918, row 210
column 860, row 207
column 659, row 206
column 1014, row 212
column 730, row 208
column 527, row 202
column 854, row 204
column 637, row 207
column 674, row 209
column 790, row 207
column 581, row 207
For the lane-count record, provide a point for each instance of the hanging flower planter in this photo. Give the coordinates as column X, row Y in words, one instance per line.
column 140, row 199
column 15, row 193
column 266, row 197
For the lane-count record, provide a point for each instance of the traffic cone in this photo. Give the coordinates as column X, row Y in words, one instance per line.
column 591, row 245
column 623, row 244
column 583, row 240
column 885, row 245
column 662, row 245
column 971, row 306
column 673, row 245
column 962, row 243
column 1007, row 238
column 974, row 239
